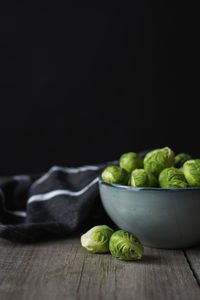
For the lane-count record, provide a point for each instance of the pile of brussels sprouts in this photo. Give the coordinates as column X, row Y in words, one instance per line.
column 159, row 168
column 121, row 244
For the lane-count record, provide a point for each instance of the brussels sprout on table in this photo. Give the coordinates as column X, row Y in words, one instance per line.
column 143, row 178
column 180, row 159
column 125, row 246
column 115, row 174
column 130, row 161
column 172, row 178
column 157, row 160
column 191, row 169
column 96, row 240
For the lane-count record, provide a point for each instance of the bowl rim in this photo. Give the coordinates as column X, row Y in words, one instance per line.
column 137, row 188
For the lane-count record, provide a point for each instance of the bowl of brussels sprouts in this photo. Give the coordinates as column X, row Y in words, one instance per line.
column 155, row 197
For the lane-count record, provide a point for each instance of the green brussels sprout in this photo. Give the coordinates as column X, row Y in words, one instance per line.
column 115, row 174
column 125, row 246
column 141, row 177
column 130, row 161
column 191, row 169
column 96, row 240
column 180, row 159
column 172, row 178
column 157, row 160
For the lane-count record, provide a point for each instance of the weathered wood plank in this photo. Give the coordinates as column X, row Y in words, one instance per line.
column 193, row 256
column 64, row 270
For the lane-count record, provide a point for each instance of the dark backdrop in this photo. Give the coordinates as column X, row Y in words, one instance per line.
column 84, row 81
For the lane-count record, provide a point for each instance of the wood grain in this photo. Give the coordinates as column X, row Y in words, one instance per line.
column 64, row 270
column 193, row 257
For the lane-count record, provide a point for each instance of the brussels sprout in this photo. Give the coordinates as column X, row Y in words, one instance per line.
column 191, row 169
column 141, row 177
column 180, row 159
column 157, row 160
column 172, row 178
column 130, row 161
column 125, row 246
column 115, row 174
column 96, row 240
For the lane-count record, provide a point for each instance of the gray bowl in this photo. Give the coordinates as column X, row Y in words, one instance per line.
column 161, row 218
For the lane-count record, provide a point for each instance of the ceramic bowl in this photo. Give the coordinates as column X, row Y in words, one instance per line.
column 161, row 218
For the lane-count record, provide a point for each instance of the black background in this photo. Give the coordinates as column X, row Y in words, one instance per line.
column 84, row 81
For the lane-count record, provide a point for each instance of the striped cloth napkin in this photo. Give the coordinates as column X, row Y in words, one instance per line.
column 55, row 204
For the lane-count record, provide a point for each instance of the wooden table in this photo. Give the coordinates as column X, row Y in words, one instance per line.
column 64, row 270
